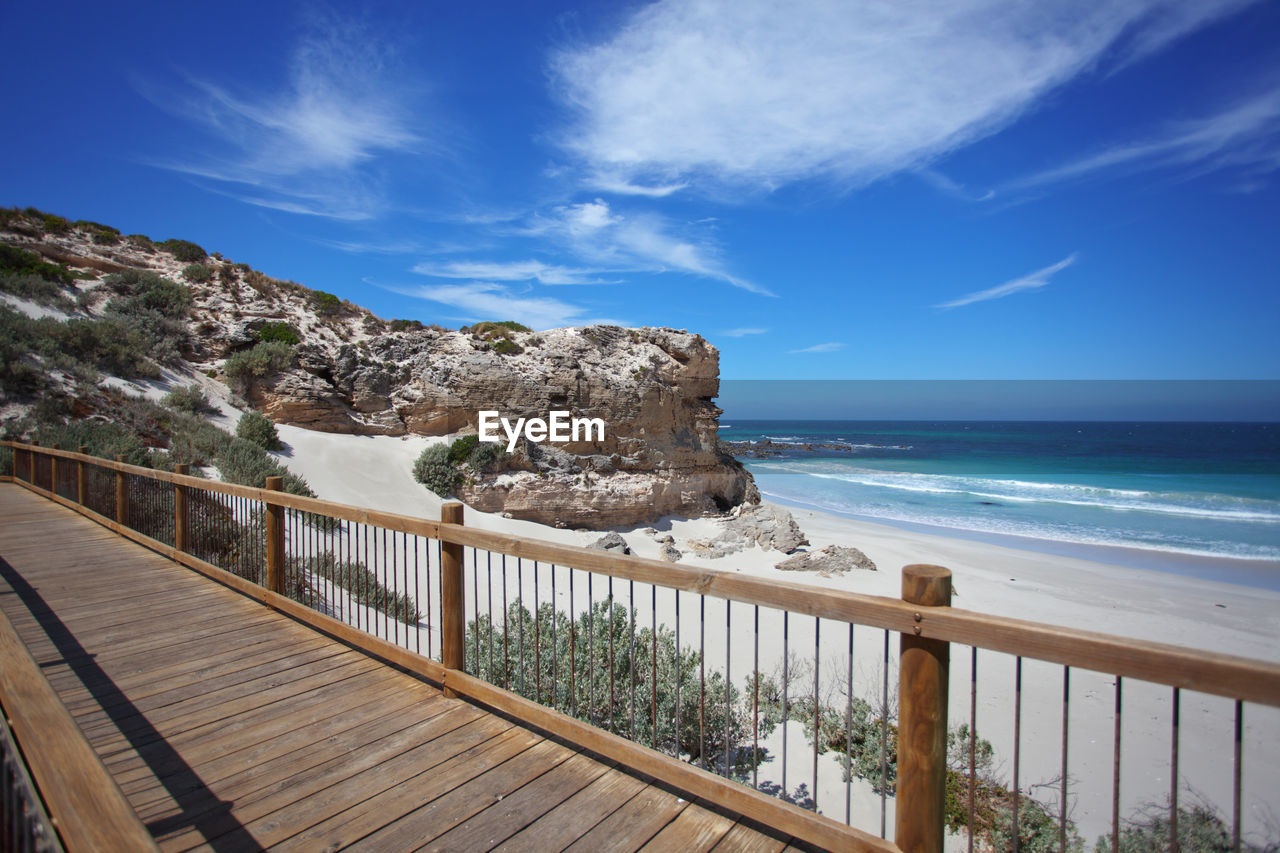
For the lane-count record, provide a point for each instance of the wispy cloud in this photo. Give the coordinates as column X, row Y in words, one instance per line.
column 482, row 300
column 639, row 242
column 1034, row 280
column 742, row 333
column 754, row 94
column 832, row 346
column 307, row 147
column 1245, row 136
column 530, row 270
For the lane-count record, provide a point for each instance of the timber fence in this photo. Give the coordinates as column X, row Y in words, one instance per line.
column 781, row 701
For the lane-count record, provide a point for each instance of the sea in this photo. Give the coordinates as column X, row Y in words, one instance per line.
column 1200, row 499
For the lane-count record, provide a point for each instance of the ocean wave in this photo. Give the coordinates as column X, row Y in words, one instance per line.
column 996, row 525
column 1200, row 505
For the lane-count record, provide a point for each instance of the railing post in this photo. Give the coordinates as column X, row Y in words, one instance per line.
column 53, row 469
column 180, row 510
column 33, row 456
column 275, row 539
column 453, row 615
column 922, row 716
column 82, row 484
column 122, row 494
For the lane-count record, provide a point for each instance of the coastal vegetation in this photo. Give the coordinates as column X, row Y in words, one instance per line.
column 442, row 468
column 258, row 429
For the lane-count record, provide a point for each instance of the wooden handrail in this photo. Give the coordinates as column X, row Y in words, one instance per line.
column 1232, row 676
column 87, row 807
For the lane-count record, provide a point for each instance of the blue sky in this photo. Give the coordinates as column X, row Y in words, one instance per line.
column 988, row 189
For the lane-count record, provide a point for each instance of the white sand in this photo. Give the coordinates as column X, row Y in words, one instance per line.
column 374, row 472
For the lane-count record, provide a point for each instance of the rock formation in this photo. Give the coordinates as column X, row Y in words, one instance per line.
column 348, row 371
column 831, row 560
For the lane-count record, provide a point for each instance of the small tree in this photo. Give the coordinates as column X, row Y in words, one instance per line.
column 259, row 429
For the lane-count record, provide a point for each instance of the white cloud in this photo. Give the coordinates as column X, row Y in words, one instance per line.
column 833, row 346
column 1034, row 280
column 742, row 333
column 756, row 93
column 304, row 148
column 1245, row 136
column 641, row 242
column 479, row 300
column 530, row 270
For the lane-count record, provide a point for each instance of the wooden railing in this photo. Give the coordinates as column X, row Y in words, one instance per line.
column 73, row 802
column 295, row 553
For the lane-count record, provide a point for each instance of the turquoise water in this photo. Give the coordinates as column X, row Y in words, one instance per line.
column 1200, row 490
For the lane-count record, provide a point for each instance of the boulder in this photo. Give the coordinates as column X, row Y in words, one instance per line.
column 611, row 542
column 827, row 561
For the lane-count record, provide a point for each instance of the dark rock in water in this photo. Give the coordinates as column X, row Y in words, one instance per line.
column 831, row 560
column 611, row 542
column 988, row 503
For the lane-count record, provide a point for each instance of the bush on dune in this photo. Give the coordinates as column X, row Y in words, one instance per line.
column 259, row 429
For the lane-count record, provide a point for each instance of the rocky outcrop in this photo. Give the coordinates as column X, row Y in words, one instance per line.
column 652, row 389
column 350, row 372
column 771, row 527
column 831, row 560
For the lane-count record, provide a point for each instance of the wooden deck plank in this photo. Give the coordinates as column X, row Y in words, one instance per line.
column 467, row 799
column 229, row 725
column 745, row 839
column 695, row 829
column 342, row 789
column 573, row 818
column 630, row 826
column 513, row 812
column 273, row 734
column 348, row 825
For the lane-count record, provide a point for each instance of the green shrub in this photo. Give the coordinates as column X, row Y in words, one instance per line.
column 38, row 290
column 284, row 333
column 461, row 449
column 184, row 250
column 434, row 470
column 265, row 358
column 244, row 462
column 141, row 241
column 403, row 325
column 89, row 225
column 363, row 586
column 153, row 310
column 259, row 429
column 604, row 639
column 325, row 303
column 1200, row 829
column 197, row 273
column 485, row 456
column 21, row 262
column 490, row 326
column 106, row 238
column 48, row 221
column 104, row 439
column 506, row 346
column 189, row 398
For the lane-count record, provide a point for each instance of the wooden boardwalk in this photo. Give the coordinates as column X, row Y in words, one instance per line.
column 229, row 726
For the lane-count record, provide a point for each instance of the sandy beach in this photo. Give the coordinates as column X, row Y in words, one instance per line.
column 1079, row 593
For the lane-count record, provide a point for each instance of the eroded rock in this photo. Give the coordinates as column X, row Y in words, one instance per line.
column 827, row 561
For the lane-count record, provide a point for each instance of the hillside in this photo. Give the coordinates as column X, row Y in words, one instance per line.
column 86, row 310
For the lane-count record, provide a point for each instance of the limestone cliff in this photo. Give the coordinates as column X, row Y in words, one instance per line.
column 653, row 388
column 345, row 370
